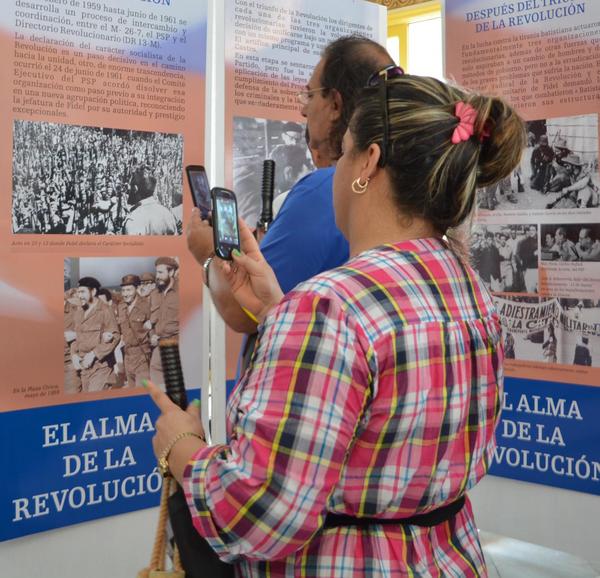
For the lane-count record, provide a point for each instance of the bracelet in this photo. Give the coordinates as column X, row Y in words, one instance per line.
column 205, row 268
column 163, row 464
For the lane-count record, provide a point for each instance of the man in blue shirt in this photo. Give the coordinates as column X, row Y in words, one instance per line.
column 305, row 225
column 303, row 239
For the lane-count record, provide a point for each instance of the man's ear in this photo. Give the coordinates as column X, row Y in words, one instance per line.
column 337, row 103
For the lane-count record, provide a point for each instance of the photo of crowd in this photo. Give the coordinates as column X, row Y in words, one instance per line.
column 506, row 257
column 573, row 242
column 116, row 311
column 256, row 140
column 558, row 169
column 82, row 180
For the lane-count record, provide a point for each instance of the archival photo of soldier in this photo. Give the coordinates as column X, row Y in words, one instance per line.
column 506, row 257
column 83, row 180
column 116, row 310
column 558, row 169
column 571, row 242
column 256, row 140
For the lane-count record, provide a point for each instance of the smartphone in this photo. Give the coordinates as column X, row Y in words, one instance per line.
column 200, row 188
column 225, row 222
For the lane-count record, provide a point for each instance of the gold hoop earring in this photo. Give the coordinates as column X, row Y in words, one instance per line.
column 358, row 187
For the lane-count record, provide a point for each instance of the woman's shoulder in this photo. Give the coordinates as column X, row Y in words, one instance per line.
column 353, row 284
column 379, row 267
column 409, row 277
column 333, row 285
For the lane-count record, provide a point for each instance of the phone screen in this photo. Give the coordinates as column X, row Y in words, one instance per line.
column 226, row 234
column 200, row 189
column 227, row 228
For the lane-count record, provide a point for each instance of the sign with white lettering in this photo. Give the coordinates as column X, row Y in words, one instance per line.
column 103, row 107
column 536, row 236
column 549, row 433
column 71, row 463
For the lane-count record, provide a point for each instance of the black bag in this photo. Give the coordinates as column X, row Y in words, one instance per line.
column 198, row 559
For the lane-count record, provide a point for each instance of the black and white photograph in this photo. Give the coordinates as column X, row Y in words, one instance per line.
column 82, row 180
column 551, row 330
column 506, row 257
column 558, row 169
column 581, row 323
column 525, row 322
column 572, row 242
column 116, row 311
column 256, row 140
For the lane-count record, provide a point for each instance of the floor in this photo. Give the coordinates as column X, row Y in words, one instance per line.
column 508, row 558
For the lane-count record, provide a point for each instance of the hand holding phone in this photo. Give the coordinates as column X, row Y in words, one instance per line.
column 252, row 281
column 225, row 222
column 200, row 189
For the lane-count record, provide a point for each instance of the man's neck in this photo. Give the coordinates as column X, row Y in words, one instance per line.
column 90, row 306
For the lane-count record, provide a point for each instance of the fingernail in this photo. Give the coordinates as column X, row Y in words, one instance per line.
column 236, row 252
column 196, row 402
column 145, row 382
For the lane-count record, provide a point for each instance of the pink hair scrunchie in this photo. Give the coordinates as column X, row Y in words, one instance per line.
column 465, row 129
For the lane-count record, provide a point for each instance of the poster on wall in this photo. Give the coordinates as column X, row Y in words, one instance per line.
column 271, row 50
column 536, row 240
column 103, row 106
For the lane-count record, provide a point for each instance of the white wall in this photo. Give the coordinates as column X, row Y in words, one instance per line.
column 551, row 517
column 116, row 547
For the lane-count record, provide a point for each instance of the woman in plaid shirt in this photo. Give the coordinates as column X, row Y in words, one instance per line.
column 370, row 403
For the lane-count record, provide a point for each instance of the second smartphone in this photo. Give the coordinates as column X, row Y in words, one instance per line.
column 200, row 189
column 225, row 222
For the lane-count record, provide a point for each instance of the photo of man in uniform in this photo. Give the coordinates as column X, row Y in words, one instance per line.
column 541, row 164
column 133, row 313
column 71, row 305
column 164, row 312
column 96, row 337
column 147, row 285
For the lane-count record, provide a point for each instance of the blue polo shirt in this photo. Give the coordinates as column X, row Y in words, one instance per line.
column 303, row 240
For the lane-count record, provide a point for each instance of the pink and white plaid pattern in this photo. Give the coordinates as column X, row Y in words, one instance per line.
column 374, row 391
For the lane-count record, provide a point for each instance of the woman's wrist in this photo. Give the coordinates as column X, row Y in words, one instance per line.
column 268, row 307
column 181, row 453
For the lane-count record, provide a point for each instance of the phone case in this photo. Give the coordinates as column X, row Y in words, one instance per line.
column 223, row 249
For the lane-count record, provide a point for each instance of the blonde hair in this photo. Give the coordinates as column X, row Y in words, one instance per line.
column 432, row 177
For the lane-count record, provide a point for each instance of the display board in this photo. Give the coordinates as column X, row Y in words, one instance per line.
column 536, row 240
column 271, row 49
column 103, row 106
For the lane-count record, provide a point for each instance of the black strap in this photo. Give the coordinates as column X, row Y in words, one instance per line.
column 429, row 519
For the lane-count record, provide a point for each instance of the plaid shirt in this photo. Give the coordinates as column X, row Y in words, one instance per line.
column 373, row 391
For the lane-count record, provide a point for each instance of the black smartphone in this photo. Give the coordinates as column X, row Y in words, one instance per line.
column 225, row 222
column 200, row 188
